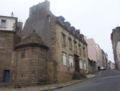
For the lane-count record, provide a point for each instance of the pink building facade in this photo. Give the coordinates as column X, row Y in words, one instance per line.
column 91, row 49
column 95, row 52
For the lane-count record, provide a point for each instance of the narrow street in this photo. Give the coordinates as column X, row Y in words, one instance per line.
column 108, row 80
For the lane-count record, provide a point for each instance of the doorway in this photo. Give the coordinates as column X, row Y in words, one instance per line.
column 77, row 67
column 6, row 76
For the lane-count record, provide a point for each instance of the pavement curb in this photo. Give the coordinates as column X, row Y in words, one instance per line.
column 68, row 83
column 47, row 87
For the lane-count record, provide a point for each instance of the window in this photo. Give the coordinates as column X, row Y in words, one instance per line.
column 23, row 54
column 3, row 23
column 49, row 18
column 81, row 64
column 63, row 40
column 71, row 62
column 85, row 66
column 84, row 52
column 64, row 58
column 70, row 43
column 79, row 49
column 75, row 46
column 6, row 76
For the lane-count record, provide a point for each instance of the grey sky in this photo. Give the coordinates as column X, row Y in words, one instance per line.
column 95, row 18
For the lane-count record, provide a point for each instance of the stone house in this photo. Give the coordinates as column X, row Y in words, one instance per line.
column 48, row 49
column 23, row 60
column 72, row 48
column 7, row 41
column 31, row 60
column 65, row 43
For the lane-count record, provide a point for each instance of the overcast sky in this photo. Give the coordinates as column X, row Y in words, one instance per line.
column 95, row 18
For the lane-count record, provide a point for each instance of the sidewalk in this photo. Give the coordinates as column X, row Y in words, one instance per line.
column 46, row 87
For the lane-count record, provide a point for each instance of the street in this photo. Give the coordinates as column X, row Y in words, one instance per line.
column 108, row 80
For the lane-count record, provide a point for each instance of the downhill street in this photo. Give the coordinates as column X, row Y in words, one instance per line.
column 108, row 80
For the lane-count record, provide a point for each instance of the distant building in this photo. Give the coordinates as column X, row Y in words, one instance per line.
column 115, row 38
column 99, row 56
column 91, row 49
column 96, row 54
column 111, row 65
column 104, row 59
column 92, row 56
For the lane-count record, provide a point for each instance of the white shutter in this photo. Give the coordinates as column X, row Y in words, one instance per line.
column 71, row 62
column 84, row 66
column 64, row 59
column 81, row 64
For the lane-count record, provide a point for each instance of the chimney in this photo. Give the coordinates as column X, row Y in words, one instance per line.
column 12, row 14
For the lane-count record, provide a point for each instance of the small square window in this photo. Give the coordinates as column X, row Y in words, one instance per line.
column 3, row 23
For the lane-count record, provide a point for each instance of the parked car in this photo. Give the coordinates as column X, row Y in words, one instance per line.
column 102, row 68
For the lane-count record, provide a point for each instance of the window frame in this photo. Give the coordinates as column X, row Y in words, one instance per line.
column 3, row 23
column 64, row 58
column 63, row 40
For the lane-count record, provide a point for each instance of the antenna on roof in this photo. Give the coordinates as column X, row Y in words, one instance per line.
column 12, row 14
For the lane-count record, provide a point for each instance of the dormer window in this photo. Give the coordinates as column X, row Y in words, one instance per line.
column 3, row 23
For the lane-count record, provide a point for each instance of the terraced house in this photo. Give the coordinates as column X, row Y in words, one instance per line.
column 72, row 48
column 48, row 49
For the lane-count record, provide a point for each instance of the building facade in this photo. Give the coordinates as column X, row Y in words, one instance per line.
column 65, row 43
column 115, row 45
column 92, row 55
column 111, row 65
column 22, row 60
column 72, row 48
column 7, row 39
column 48, row 49
column 99, row 56
column 96, row 55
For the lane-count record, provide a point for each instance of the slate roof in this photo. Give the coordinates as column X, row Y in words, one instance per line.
column 33, row 40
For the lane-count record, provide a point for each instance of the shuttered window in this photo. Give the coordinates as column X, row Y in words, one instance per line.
column 64, row 58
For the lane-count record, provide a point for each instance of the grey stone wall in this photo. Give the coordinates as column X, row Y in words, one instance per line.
column 115, row 37
column 6, row 52
column 32, row 69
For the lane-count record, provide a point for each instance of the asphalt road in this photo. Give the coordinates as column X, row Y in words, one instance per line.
column 108, row 80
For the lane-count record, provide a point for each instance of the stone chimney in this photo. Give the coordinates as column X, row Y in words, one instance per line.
column 45, row 6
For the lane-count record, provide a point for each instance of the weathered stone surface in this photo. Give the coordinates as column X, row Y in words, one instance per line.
column 115, row 38
column 31, row 61
column 37, row 57
column 6, row 52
